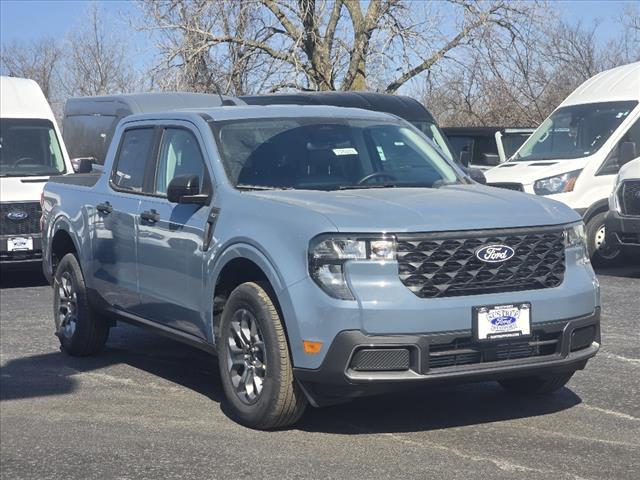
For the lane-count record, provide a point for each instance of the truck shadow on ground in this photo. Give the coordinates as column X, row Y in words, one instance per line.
column 418, row 409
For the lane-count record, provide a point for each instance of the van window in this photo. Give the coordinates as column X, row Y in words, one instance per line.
column 575, row 131
column 134, row 153
column 29, row 147
column 179, row 155
column 612, row 164
column 89, row 135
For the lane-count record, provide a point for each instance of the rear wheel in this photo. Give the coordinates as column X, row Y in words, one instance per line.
column 537, row 384
column 79, row 328
column 602, row 254
column 254, row 361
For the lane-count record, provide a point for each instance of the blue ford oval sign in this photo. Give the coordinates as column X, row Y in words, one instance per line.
column 17, row 215
column 495, row 253
column 504, row 321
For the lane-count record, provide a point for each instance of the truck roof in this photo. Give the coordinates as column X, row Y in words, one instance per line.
column 23, row 98
column 404, row 107
column 126, row 104
column 617, row 84
column 267, row 111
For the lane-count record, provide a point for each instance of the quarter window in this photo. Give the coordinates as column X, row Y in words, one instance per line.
column 132, row 159
column 179, row 155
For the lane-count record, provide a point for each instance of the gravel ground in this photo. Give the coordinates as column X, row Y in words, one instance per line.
column 151, row 408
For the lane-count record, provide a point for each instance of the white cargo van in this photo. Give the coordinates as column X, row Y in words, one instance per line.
column 576, row 153
column 31, row 151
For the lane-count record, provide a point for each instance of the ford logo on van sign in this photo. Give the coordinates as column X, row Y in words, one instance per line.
column 495, row 253
column 17, row 215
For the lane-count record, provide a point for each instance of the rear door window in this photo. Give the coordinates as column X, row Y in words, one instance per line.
column 132, row 161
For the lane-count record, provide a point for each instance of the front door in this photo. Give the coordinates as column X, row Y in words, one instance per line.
column 113, row 237
column 170, row 239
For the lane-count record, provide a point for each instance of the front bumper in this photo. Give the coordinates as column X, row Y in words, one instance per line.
column 623, row 231
column 20, row 258
column 357, row 364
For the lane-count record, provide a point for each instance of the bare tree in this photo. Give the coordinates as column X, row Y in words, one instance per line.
column 97, row 61
column 38, row 60
column 326, row 45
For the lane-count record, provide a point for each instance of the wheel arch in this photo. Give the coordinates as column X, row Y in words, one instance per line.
column 600, row 206
column 63, row 241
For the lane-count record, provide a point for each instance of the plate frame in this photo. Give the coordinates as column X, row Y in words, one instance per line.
column 474, row 323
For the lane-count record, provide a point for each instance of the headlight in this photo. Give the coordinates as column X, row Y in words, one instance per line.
column 328, row 255
column 575, row 236
column 558, row 184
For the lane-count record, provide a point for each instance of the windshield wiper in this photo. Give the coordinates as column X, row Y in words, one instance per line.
column 364, row 187
column 243, row 186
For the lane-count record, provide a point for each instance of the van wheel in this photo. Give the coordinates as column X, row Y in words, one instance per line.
column 601, row 253
column 254, row 361
column 79, row 328
column 536, row 385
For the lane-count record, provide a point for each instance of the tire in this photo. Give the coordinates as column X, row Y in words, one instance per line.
column 601, row 254
column 79, row 328
column 255, row 365
column 536, row 385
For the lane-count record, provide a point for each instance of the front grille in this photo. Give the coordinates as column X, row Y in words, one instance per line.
column 445, row 264
column 30, row 225
column 508, row 186
column 464, row 351
column 629, row 196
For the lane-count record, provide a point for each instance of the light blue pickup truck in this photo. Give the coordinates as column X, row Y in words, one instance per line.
column 321, row 253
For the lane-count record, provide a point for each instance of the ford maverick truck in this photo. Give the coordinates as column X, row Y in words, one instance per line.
column 321, row 253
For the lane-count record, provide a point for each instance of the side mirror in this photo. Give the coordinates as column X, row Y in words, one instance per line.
column 477, row 175
column 83, row 164
column 627, row 152
column 491, row 159
column 186, row 189
column 465, row 159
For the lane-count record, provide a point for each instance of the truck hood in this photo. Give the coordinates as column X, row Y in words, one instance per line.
column 21, row 189
column 460, row 207
column 528, row 172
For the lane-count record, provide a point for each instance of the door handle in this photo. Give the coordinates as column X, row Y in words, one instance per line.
column 150, row 216
column 210, row 227
column 105, row 208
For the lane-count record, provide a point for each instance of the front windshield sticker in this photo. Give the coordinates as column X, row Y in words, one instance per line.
column 383, row 158
column 345, row 151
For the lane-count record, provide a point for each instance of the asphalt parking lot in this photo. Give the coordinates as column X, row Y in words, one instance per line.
column 151, row 408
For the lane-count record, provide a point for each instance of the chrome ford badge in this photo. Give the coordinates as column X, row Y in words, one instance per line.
column 17, row 215
column 495, row 253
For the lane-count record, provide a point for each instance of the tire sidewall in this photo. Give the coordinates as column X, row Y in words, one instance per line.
column 248, row 297
column 69, row 263
column 593, row 226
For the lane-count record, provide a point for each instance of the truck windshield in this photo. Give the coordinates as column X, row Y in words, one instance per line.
column 329, row 154
column 574, row 132
column 29, row 147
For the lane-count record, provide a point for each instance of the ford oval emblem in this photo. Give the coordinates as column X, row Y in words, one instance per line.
column 504, row 321
column 17, row 215
column 495, row 253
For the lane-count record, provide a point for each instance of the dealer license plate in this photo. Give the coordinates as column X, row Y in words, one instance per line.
column 498, row 322
column 18, row 244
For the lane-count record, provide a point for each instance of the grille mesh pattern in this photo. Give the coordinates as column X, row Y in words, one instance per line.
column 508, row 186
column 433, row 267
column 381, row 359
column 31, row 224
column 630, row 198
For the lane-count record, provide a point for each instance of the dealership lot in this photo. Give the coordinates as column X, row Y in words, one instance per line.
column 151, row 408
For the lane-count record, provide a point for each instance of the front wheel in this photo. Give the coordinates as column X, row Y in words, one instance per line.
column 602, row 254
column 537, row 384
column 254, row 361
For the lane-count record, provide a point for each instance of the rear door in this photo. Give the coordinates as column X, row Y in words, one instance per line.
column 170, row 236
column 115, row 221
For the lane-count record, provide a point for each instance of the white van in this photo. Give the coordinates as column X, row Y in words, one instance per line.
column 575, row 154
column 31, row 151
